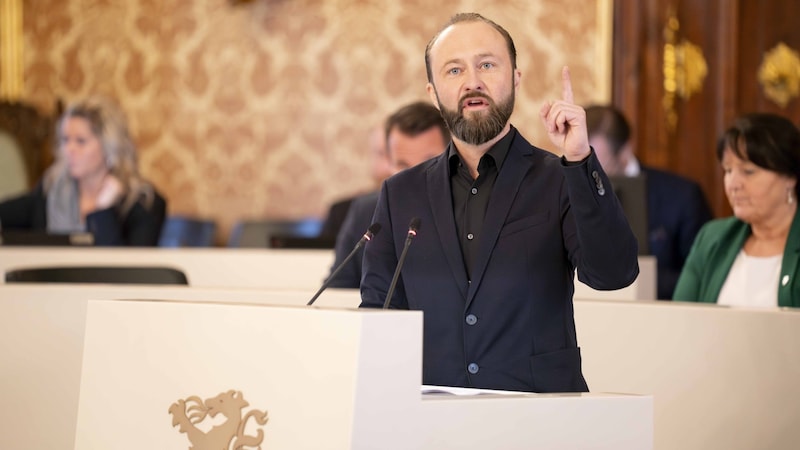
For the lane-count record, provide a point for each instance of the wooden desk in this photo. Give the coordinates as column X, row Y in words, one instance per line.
column 204, row 267
column 720, row 377
column 254, row 268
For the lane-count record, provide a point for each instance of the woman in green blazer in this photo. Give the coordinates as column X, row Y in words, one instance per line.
column 751, row 259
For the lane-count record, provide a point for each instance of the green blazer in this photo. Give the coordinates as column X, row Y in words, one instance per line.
column 712, row 255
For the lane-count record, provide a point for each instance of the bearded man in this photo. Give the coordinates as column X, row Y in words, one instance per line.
column 503, row 227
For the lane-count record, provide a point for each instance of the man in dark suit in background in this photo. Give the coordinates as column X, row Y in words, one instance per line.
column 414, row 133
column 676, row 206
column 379, row 170
column 504, row 225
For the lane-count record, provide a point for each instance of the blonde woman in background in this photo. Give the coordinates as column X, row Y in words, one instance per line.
column 751, row 259
column 94, row 184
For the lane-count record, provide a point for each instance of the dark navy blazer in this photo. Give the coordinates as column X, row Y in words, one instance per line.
column 676, row 210
column 512, row 326
column 355, row 224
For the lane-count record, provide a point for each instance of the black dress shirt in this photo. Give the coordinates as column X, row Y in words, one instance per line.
column 471, row 196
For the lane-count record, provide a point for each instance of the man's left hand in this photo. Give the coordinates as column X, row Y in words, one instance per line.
column 565, row 123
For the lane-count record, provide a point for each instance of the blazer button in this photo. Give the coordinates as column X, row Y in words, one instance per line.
column 473, row 368
column 601, row 190
column 471, row 319
column 785, row 280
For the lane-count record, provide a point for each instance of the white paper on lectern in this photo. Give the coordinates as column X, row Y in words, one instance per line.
column 452, row 390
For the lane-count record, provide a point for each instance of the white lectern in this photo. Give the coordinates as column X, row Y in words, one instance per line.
column 176, row 375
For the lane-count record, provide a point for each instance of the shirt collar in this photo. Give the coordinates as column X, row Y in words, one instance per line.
column 633, row 169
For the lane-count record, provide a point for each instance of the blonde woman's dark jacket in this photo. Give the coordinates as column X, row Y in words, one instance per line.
column 139, row 227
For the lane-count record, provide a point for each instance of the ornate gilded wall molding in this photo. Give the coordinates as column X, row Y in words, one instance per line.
column 604, row 58
column 779, row 74
column 684, row 68
column 11, row 73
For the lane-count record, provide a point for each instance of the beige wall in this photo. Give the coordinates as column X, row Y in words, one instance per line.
column 262, row 109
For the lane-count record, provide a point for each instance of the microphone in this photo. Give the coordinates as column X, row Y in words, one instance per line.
column 412, row 232
column 371, row 232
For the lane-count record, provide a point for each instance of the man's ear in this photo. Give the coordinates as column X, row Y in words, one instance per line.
column 626, row 154
column 432, row 95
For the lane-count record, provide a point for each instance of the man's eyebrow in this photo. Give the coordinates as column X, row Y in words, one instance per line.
column 461, row 60
column 452, row 61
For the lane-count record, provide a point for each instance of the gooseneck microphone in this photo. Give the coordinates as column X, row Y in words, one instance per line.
column 412, row 232
column 371, row 232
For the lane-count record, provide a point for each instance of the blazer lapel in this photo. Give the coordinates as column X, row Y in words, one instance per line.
column 789, row 264
column 442, row 207
column 508, row 182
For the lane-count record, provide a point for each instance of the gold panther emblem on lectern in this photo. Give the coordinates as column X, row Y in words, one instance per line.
column 229, row 435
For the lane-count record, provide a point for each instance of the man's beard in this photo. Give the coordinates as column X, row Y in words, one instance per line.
column 480, row 127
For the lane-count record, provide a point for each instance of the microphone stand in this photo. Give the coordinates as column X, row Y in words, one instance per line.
column 412, row 232
column 372, row 231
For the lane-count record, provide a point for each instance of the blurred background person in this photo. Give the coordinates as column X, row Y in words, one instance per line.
column 751, row 259
column 413, row 134
column 676, row 206
column 93, row 185
column 380, row 169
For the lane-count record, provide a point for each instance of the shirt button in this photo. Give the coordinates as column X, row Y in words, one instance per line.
column 471, row 319
column 474, row 190
column 785, row 280
column 473, row 368
column 470, row 236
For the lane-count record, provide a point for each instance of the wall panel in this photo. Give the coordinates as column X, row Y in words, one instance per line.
column 262, row 109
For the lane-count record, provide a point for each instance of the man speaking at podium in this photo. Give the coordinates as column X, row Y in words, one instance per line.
column 503, row 227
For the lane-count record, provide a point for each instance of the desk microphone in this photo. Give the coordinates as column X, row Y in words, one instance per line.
column 371, row 231
column 412, row 232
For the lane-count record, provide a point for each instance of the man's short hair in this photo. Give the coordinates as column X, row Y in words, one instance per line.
column 610, row 123
column 416, row 118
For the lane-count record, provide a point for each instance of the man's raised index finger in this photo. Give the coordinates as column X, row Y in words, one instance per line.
column 566, row 86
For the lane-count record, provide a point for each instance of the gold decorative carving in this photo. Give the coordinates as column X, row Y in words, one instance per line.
column 779, row 74
column 229, row 434
column 684, row 69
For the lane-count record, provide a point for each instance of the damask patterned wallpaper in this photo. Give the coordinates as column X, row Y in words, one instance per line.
column 262, row 109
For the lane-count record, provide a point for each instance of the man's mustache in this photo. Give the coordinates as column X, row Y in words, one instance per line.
column 473, row 95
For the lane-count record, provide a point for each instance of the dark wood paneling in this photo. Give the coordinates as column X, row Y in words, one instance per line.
column 701, row 117
column 733, row 35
